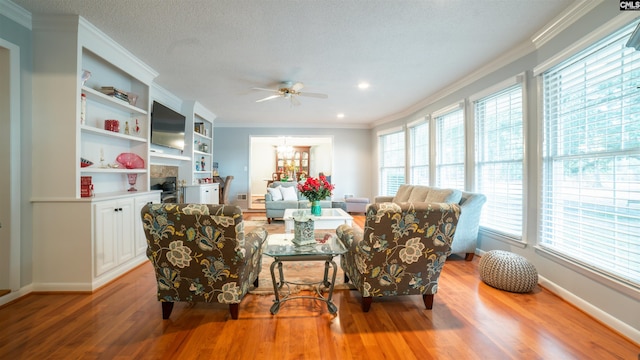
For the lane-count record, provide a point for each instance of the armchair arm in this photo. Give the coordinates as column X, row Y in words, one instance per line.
column 470, row 211
column 349, row 236
column 381, row 199
column 254, row 240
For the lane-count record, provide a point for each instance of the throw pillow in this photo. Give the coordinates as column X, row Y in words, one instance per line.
column 418, row 194
column 289, row 193
column 403, row 193
column 276, row 194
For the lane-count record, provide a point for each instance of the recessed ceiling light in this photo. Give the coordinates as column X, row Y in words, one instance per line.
column 363, row 85
column 340, row 116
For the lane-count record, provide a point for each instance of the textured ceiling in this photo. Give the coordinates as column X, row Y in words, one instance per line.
column 216, row 51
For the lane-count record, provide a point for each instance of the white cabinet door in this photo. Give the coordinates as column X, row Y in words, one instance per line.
column 125, row 230
column 202, row 194
column 105, row 252
column 114, row 234
column 208, row 194
column 141, row 239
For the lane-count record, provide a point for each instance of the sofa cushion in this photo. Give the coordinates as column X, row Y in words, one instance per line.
column 403, row 193
column 276, row 194
column 282, row 205
column 450, row 196
column 289, row 193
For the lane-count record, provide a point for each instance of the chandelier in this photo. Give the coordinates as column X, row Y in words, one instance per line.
column 284, row 150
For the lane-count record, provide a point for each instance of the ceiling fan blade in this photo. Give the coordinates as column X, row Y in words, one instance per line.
column 269, row 98
column 263, row 89
column 315, row 95
column 297, row 86
column 294, row 101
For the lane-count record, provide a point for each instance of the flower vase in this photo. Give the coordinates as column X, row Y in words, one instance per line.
column 316, row 210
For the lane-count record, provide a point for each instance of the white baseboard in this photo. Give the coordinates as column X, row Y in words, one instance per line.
column 595, row 312
column 610, row 321
column 16, row 294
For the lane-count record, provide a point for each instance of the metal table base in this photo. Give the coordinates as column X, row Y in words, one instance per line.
column 328, row 285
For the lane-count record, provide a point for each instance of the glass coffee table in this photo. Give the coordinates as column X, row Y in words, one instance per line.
column 330, row 218
column 281, row 248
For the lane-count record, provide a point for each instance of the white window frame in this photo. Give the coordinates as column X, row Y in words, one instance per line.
column 440, row 144
column 382, row 167
column 494, row 231
column 411, row 150
column 586, row 267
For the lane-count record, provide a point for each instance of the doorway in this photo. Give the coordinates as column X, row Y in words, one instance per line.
column 262, row 162
column 9, row 168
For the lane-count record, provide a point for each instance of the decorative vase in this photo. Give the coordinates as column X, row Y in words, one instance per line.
column 132, row 181
column 315, row 208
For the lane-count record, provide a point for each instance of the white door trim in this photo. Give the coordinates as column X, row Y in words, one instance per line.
column 14, row 162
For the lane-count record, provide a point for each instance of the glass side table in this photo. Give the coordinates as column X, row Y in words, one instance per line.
column 281, row 248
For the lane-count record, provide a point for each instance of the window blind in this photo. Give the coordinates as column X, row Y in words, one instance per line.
column 450, row 149
column 419, row 154
column 590, row 209
column 392, row 162
column 499, row 156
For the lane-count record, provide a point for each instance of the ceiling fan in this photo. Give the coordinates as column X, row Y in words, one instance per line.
column 289, row 91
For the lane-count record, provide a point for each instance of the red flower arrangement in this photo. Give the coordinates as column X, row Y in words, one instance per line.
column 316, row 189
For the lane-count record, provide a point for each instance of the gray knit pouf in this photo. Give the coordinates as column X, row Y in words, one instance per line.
column 508, row 271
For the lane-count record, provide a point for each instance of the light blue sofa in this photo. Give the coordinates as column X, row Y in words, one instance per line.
column 276, row 208
column 466, row 236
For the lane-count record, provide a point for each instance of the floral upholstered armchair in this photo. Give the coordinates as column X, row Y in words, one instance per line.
column 201, row 254
column 402, row 250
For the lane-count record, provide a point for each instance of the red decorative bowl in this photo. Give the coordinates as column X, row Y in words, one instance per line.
column 84, row 162
column 130, row 161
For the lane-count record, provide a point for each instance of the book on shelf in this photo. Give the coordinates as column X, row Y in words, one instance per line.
column 112, row 91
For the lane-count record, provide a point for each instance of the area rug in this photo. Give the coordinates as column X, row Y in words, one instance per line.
column 294, row 271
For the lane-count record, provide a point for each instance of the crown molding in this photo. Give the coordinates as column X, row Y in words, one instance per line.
column 16, row 13
column 496, row 64
column 578, row 9
column 565, row 19
column 94, row 38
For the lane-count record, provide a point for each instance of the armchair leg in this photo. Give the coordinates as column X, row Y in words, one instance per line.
column 468, row 256
column 428, row 300
column 167, row 308
column 366, row 303
column 233, row 310
column 268, row 220
column 255, row 283
column 346, row 278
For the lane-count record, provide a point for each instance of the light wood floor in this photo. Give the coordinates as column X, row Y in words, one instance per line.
column 469, row 320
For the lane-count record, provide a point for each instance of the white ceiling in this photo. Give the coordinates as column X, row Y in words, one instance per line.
column 216, row 51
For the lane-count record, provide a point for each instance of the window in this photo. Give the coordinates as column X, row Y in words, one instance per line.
column 590, row 208
column 499, row 160
column 450, row 149
column 419, row 154
column 391, row 162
